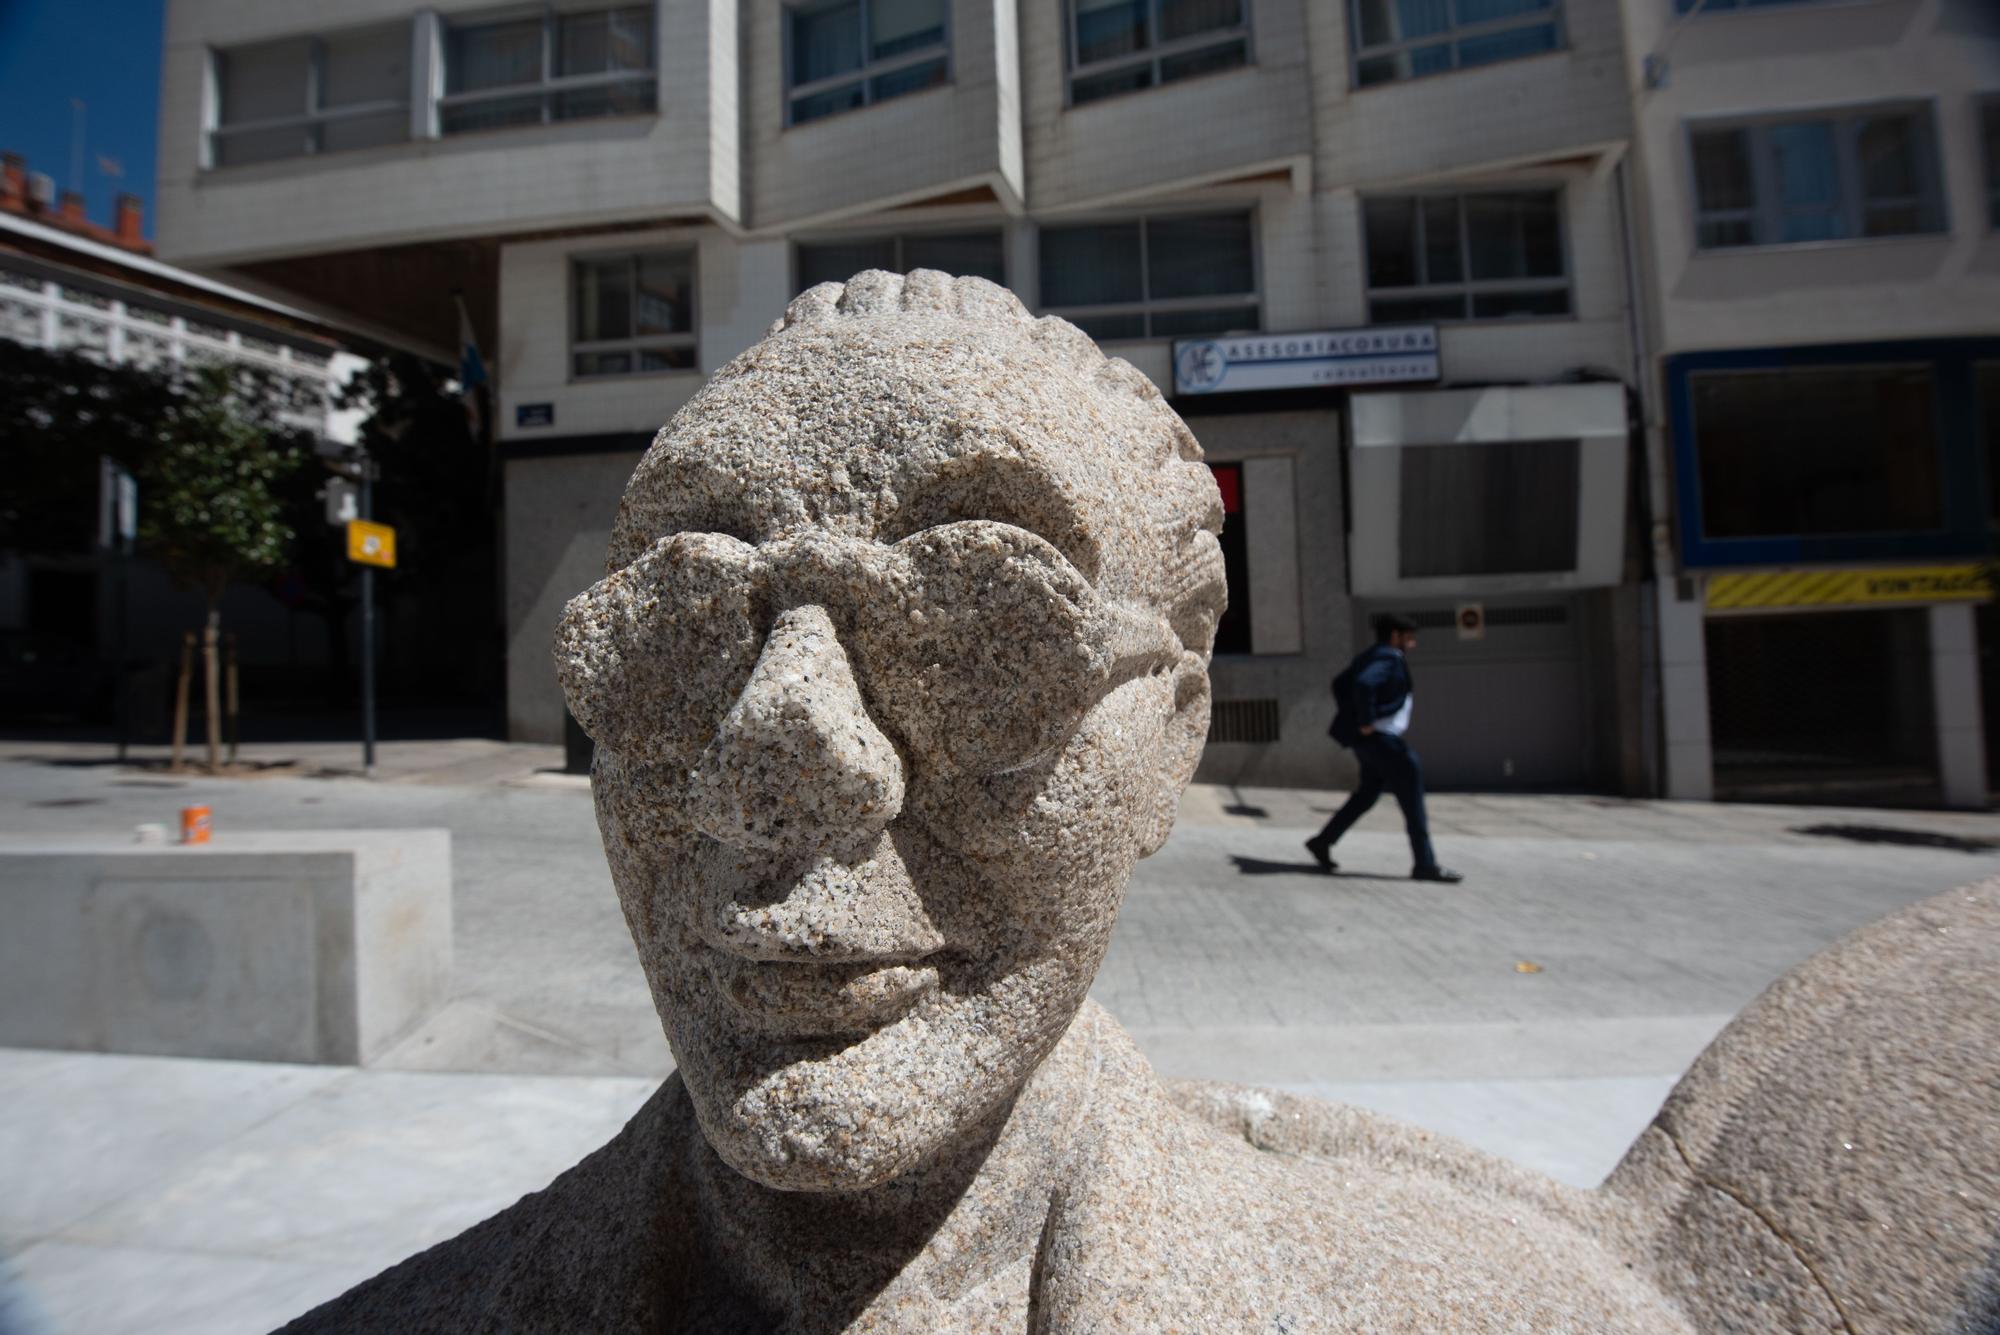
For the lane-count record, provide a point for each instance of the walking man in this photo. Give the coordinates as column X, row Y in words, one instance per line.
column 1372, row 704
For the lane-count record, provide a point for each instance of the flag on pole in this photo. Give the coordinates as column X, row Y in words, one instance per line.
column 471, row 370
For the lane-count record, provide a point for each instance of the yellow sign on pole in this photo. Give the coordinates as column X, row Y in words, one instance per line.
column 1849, row 588
column 371, row 544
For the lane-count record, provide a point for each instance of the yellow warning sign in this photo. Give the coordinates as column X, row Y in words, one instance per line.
column 371, row 544
column 1850, row 588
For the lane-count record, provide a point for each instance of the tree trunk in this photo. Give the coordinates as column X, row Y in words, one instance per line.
column 211, row 683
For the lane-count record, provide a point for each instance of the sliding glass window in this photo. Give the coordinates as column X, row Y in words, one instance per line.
column 1465, row 257
column 1846, row 176
column 539, row 67
column 1123, row 46
column 1153, row 277
column 841, row 55
column 631, row 314
column 311, row 95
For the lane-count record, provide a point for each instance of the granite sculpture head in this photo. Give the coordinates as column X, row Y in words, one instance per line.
column 900, row 666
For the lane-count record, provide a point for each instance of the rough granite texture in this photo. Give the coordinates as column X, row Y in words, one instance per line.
column 900, row 666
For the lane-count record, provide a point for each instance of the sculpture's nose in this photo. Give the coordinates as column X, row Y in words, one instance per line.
column 797, row 763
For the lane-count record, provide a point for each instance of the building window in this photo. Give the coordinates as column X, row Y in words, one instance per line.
column 1232, row 632
column 311, row 95
column 1122, row 46
column 1406, row 39
column 555, row 65
column 1465, row 257
column 1829, row 450
column 633, row 313
column 843, row 54
column 1822, row 178
column 1152, row 278
column 980, row 254
column 1989, row 115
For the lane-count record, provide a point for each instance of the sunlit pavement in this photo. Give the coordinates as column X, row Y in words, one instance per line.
column 1541, row 1010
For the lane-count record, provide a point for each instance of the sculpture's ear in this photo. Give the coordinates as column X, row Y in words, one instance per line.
column 1183, row 733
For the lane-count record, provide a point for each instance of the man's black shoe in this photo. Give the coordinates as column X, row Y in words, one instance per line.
column 1318, row 848
column 1445, row 874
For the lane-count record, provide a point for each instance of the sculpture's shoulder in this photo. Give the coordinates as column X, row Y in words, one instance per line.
column 604, row 1247
column 1222, row 1208
column 1839, row 1142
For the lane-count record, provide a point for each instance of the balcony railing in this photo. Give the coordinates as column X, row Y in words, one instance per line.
column 45, row 314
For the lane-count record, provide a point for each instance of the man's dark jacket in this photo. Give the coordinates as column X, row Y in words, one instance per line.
column 1372, row 687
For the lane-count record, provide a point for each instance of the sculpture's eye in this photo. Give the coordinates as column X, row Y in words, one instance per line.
column 995, row 648
column 651, row 656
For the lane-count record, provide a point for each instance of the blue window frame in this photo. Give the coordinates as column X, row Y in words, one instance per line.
column 1850, row 452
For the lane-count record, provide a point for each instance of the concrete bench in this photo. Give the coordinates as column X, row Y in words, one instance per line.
column 299, row 946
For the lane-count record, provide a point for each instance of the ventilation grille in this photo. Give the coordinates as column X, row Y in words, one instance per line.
column 1549, row 614
column 1243, row 721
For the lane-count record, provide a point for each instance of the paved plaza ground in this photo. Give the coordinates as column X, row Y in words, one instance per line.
column 1541, row 1010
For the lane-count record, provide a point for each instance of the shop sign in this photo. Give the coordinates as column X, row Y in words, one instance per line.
column 534, row 414
column 1850, row 588
column 1379, row 355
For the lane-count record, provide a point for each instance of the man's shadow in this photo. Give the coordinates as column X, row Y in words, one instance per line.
column 1249, row 866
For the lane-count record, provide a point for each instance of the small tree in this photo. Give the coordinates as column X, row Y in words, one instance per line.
column 213, row 509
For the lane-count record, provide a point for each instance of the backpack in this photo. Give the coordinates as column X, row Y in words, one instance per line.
column 1344, row 729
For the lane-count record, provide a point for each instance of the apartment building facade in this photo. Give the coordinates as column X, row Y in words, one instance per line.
column 626, row 196
column 1822, row 181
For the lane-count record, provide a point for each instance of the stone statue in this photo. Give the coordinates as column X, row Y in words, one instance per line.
column 900, row 667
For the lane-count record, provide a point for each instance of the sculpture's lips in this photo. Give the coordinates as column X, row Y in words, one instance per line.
column 798, row 998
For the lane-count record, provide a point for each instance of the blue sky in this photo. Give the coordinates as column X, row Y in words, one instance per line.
column 106, row 52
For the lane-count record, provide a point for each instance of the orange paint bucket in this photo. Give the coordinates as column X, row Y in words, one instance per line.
column 194, row 825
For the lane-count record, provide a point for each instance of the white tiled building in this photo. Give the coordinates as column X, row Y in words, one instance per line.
column 627, row 197
column 1821, row 180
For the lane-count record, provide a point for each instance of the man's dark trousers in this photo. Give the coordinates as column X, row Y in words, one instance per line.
column 1387, row 762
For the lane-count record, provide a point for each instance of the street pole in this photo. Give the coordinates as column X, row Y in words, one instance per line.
column 367, row 627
